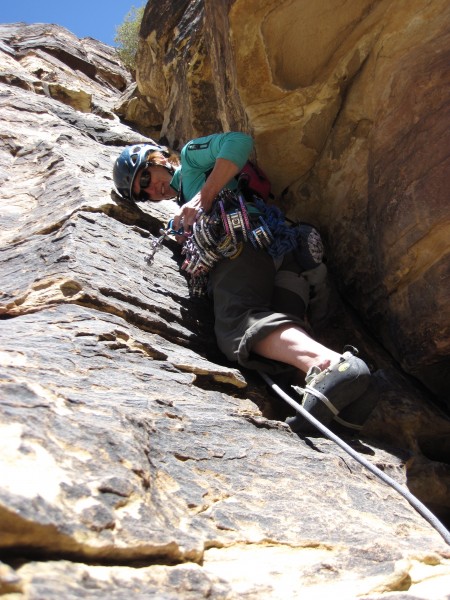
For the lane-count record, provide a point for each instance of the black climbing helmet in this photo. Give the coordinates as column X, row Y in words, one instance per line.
column 128, row 164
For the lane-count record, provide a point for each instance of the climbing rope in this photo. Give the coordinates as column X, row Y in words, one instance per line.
column 415, row 503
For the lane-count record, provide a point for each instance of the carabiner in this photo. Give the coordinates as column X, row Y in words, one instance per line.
column 171, row 231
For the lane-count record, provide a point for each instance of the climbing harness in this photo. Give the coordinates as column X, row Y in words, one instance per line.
column 222, row 232
column 415, row 503
column 218, row 234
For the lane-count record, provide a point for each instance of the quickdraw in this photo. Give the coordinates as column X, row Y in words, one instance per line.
column 223, row 231
column 157, row 243
column 220, row 234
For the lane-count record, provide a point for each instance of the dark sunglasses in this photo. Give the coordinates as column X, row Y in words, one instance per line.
column 145, row 180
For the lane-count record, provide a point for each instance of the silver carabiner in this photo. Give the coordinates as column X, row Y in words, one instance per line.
column 156, row 245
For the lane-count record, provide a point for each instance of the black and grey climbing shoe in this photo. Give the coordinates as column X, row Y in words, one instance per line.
column 328, row 392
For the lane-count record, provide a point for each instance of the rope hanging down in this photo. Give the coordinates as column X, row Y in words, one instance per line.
column 415, row 503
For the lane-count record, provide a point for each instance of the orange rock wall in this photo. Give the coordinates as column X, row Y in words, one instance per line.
column 348, row 104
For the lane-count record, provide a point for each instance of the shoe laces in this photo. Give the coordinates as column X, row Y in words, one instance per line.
column 313, row 372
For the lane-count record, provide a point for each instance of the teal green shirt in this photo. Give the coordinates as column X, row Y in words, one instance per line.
column 198, row 158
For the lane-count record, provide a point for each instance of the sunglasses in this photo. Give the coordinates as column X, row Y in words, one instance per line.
column 145, row 180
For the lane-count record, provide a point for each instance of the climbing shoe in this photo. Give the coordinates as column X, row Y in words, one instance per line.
column 328, row 392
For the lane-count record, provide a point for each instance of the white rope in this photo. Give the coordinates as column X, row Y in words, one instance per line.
column 415, row 503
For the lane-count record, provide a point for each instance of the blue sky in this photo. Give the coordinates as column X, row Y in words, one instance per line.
column 93, row 18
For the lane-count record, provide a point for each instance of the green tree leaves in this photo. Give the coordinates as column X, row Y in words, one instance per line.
column 127, row 36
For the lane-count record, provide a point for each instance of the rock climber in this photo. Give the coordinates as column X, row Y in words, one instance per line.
column 264, row 305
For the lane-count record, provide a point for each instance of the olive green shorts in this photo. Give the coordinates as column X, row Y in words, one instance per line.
column 254, row 294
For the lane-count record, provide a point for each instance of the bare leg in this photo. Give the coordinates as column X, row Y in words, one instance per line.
column 292, row 345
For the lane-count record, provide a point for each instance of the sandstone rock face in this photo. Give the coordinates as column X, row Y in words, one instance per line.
column 348, row 103
column 133, row 459
column 186, row 69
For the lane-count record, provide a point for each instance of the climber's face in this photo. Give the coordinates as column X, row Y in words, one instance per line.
column 153, row 183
